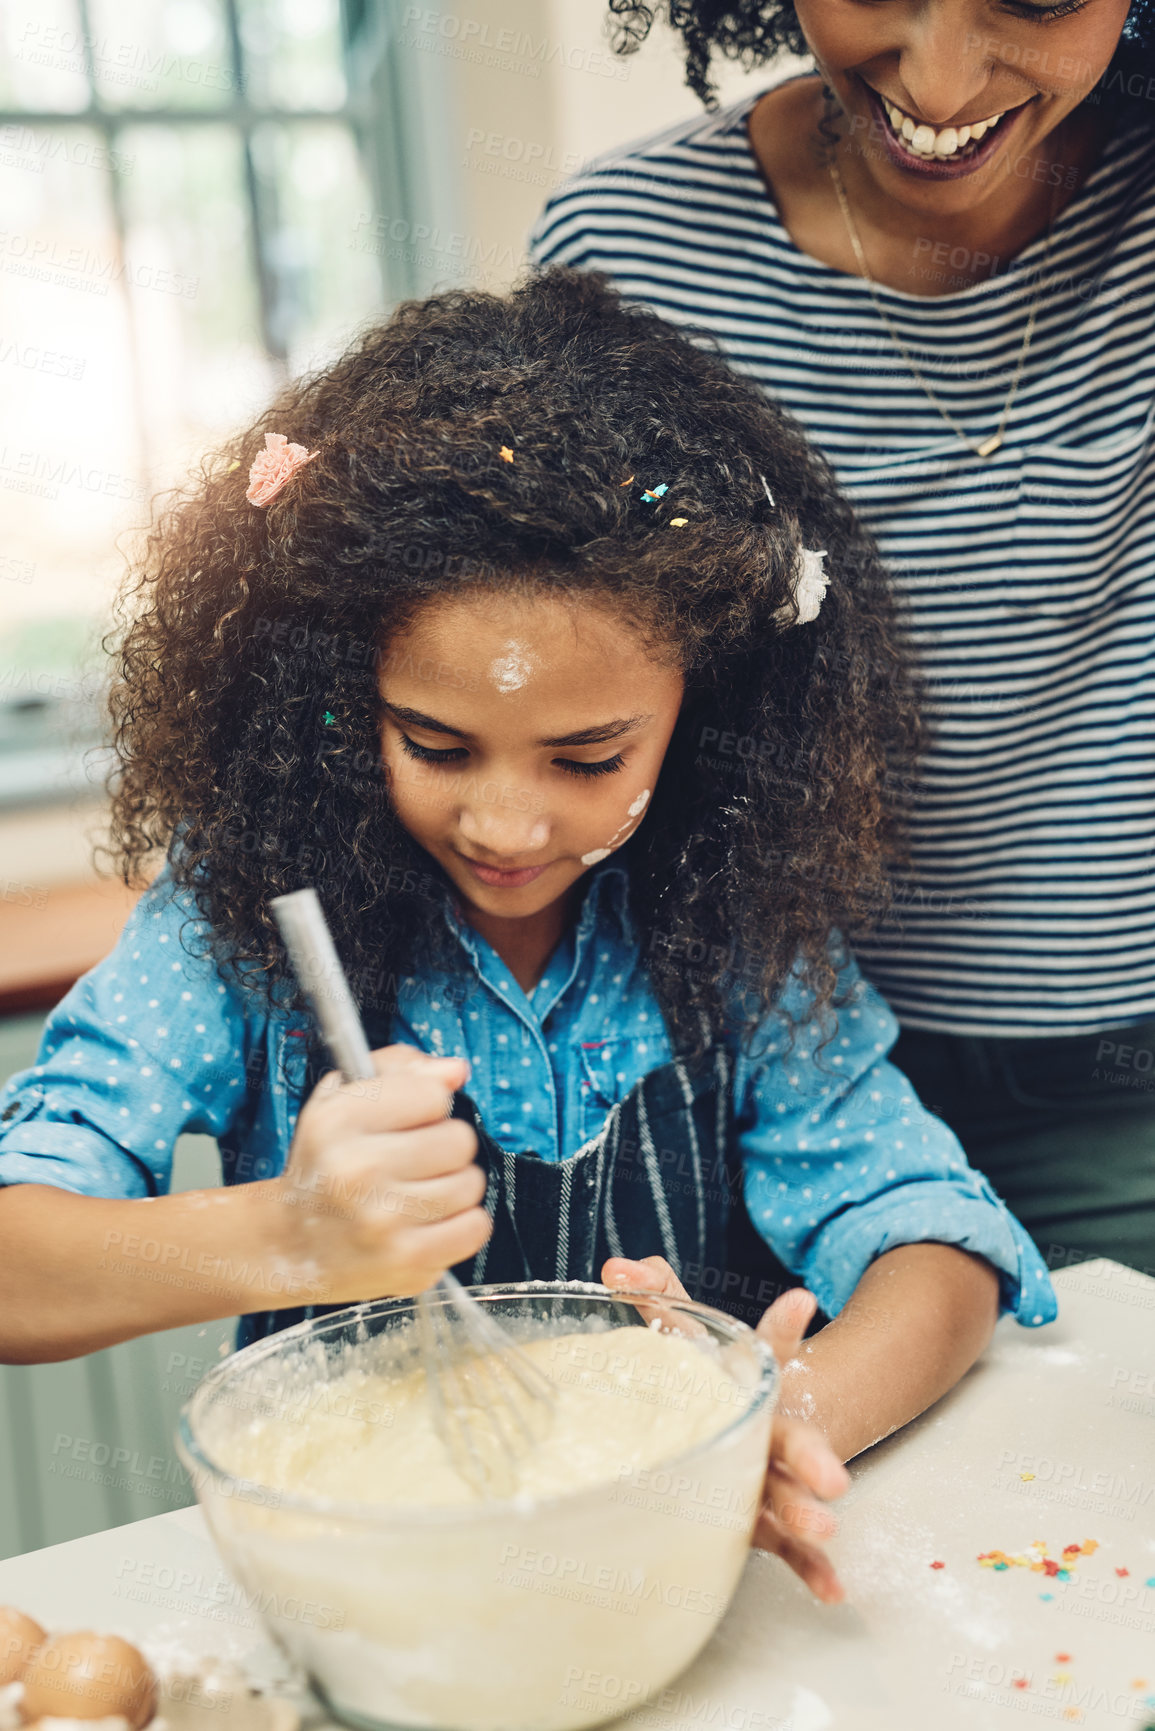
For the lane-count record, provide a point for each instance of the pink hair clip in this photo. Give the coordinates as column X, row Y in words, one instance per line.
column 273, row 466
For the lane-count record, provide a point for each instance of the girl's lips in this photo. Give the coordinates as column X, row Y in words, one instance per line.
column 498, row 879
column 946, row 168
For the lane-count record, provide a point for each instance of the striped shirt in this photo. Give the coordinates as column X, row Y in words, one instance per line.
column 1028, row 579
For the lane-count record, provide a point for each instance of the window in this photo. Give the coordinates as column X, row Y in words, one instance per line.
column 186, row 185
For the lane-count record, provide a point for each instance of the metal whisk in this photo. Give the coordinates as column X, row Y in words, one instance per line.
column 491, row 1403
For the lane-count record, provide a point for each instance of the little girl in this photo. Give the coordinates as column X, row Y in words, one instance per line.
column 543, row 645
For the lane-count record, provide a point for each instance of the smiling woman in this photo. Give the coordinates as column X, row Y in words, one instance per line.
column 939, row 253
column 758, row 30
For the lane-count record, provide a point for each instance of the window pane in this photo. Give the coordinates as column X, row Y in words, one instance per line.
column 313, row 194
column 71, row 475
column 292, row 51
column 162, row 53
column 203, row 365
column 42, row 56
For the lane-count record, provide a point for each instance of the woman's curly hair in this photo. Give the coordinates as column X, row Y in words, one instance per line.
column 756, row 31
column 246, row 704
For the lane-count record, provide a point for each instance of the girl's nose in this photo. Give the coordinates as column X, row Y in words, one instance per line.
column 503, row 830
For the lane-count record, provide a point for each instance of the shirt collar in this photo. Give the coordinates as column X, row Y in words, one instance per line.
column 606, row 897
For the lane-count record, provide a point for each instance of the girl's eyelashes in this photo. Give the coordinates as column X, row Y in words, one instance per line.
column 1045, row 14
column 604, row 765
column 425, row 754
column 1041, row 13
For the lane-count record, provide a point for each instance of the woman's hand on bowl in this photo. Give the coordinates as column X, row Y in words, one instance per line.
column 803, row 1470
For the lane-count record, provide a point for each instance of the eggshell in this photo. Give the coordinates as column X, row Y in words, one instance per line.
column 223, row 1701
column 88, row 1676
column 19, row 1638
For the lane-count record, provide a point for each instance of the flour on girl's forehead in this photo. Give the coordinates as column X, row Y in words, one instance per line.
column 510, row 670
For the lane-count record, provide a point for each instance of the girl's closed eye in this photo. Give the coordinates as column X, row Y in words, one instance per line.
column 426, row 754
column 603, row 765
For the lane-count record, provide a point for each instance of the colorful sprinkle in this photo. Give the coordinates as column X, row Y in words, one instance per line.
column 506, row 454
column 1062, row 1658
column 1035, row 1559
column 1046, row 1597
column 650, row 494
column 1122, row 1572
column 1021, row 1682
column 330, row 718
column 1026, row 1477
column 235, row 464
column 938, row 1565
column 1150, row 1581
column 678, row 522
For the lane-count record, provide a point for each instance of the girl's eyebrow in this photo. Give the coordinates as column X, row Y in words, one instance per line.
column 599, row 735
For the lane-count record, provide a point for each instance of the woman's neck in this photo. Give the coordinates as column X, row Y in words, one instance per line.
column 901, row 244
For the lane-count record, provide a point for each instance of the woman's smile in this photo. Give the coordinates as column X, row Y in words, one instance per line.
column 950, row 120
column 940, row 152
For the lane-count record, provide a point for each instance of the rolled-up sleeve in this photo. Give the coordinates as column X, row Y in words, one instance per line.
column 842, row 1162
column 148, row 1044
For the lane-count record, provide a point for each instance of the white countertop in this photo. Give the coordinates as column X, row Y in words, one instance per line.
column 1050, row 1437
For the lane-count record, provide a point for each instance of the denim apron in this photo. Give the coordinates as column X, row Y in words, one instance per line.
column 659, row 1178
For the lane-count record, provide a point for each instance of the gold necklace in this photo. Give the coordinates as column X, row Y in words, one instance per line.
column 989, row 445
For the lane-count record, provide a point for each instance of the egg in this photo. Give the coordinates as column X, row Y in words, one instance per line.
column 19, row 1638
column 87, row 1676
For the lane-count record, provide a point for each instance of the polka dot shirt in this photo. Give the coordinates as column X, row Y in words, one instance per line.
column 841, row 1160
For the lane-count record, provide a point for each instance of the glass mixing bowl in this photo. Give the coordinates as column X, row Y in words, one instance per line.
column 520, row 1615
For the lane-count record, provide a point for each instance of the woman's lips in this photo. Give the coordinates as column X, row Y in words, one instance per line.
column 500, row 879
column 943, row 168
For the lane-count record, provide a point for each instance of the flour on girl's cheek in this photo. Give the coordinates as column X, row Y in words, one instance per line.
column 633, row 812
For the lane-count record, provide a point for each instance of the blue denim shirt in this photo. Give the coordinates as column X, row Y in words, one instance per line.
column 841, row 1161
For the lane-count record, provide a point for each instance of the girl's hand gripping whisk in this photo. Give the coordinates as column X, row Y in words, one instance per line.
column 491, row 1403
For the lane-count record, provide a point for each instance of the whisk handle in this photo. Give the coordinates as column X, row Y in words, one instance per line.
column 307, row 938
column 303, row 927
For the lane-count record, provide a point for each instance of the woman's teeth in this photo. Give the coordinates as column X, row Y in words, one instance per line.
column 934, row 145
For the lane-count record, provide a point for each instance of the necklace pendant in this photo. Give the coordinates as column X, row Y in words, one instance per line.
column 989, row 446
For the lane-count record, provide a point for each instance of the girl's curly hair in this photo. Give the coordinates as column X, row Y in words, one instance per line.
column 246, row 703
column 756, row 31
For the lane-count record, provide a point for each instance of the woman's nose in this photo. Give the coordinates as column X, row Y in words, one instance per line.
column 503, row 830
column 943, row 63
